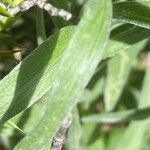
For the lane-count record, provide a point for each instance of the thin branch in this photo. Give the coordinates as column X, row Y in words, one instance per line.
column 59, row 138
column 53, row 11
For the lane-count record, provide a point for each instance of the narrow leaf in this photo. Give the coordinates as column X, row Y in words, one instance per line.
column 124, row 38
column 132, row 12
column 115, row 117
column 32, row 78
column 118, row 71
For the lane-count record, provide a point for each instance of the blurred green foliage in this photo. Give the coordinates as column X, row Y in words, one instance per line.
column 50, row 67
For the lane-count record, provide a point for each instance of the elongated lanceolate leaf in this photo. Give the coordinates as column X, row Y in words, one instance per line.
column 83, row 54
column 32, row 78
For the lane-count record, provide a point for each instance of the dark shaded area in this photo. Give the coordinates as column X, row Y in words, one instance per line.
column 127, row 100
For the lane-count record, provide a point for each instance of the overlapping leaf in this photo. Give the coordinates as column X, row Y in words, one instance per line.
column 118, row 42
column 32, row 78
column 83, row 55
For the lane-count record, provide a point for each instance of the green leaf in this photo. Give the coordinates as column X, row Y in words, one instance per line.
column 33, row 77
column 117, row 43
column 15, row 126
column 27, row 119
column 114, row 46
column 124, row 38
column 115, row 117
column 116, row 78
column 83, row 55
column 24, row 122
column 132, row 12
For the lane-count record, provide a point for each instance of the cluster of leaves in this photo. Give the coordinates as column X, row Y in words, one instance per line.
column 95, row 66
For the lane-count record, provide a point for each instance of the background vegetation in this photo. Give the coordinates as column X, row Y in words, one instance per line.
column 94, row 68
